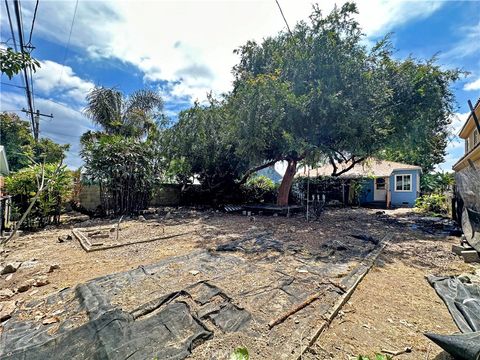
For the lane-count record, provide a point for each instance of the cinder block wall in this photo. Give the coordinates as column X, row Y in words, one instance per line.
column 165, row 195
column 90, row 197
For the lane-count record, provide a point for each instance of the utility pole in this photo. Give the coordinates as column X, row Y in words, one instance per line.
column 36, row 121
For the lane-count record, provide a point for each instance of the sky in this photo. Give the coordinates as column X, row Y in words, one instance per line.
column 184, row 49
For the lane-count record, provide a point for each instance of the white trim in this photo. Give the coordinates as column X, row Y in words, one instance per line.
column 395, row 184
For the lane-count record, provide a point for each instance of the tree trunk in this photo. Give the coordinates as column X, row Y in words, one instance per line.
column 284, row 189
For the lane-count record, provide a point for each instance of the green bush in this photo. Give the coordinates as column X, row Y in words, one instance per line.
column 437, row 183
column 259, row 189
column 22, row 186
column 435, row 203
column 126, row 169
column 377, row 357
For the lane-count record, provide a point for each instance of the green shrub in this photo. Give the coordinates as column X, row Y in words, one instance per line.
column 240, row 353
column 377, row 357
column 437, row 183
column 259, row 189
column 435, row 203
column 22, row 186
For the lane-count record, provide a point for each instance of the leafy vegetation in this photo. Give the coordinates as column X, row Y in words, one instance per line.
column 317, row 94
column 23, row 186
column 259, row 189
column 124, row 157
column 21, row 147
column 377, row 357
column 437, row 183
column 434, row 203
column 12, row 62
column 240, row 353
column 201, row 146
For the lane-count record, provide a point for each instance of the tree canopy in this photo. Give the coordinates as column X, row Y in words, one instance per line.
column 21, row 147
column 318, row 93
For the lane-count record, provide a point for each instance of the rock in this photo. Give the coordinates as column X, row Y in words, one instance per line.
column 169, row 215
column 6, row 310
column 29, row 264
column 141, row 218
column 63, row 238
column 9, row 277
column 53, row 267
column 25, row 286
column 113, row 229
column 194, row 272
column 41, row 281
column 10, row 268
column 6, row 294
column 50, row 320
column 302, row 271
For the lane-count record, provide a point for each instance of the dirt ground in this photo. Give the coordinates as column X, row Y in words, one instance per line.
column 390, row 309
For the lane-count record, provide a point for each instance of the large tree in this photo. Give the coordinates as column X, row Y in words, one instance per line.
column 319, row 94
column 201, row 146
column 123, row 156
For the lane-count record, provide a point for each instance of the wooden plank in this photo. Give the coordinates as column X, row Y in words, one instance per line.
column 368, row 263
column 470, row 256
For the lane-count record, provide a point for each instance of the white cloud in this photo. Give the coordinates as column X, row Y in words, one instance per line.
column 458, row 120
column 53, row 77
column 474, row 85
column 455, row 147
column 469, row 45
column 191, row 42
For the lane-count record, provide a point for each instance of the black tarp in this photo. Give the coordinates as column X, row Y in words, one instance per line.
column 164, row 326
column 462, row 298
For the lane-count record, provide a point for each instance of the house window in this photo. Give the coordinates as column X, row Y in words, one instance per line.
column 403, row 182
column 475, row 137
column 380, row 184
column 466, row 145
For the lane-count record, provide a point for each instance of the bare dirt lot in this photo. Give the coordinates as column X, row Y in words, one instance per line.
column 236, row 274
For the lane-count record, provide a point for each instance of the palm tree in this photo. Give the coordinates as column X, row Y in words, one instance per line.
column 132, row 116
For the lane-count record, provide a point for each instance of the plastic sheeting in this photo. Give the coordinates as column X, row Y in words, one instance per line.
column 468, row 188
column 462, row 298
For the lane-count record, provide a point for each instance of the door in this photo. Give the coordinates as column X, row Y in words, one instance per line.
column 380, row 190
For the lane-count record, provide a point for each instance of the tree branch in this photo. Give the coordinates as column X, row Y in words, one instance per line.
column 257, row 168
column 348, row 168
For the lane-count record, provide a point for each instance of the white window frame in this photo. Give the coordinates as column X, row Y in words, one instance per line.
column 384, row 184
column 403, row 175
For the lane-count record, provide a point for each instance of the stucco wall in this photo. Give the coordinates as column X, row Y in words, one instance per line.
column 404, row 198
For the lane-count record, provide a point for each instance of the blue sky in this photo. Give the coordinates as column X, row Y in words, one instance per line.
column 184, row 49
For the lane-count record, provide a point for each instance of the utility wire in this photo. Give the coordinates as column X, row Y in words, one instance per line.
column 11, row 26
column 68, row 42
column 27, row 85
column 13, row 85
column 33, row 22
column 283, row 16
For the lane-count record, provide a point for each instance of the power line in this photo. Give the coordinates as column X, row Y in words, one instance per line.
column 68, row 42
column 27, row 85
column 33, row 22
column 283, row 16
column 13, row 85
column 11, row 26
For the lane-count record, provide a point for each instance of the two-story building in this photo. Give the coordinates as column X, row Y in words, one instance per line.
column 467, row 178
column 471, row 135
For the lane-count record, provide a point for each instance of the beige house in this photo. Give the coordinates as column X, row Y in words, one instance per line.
column 470, row 133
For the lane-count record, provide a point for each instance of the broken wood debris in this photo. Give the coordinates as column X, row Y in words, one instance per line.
column 407, row 350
